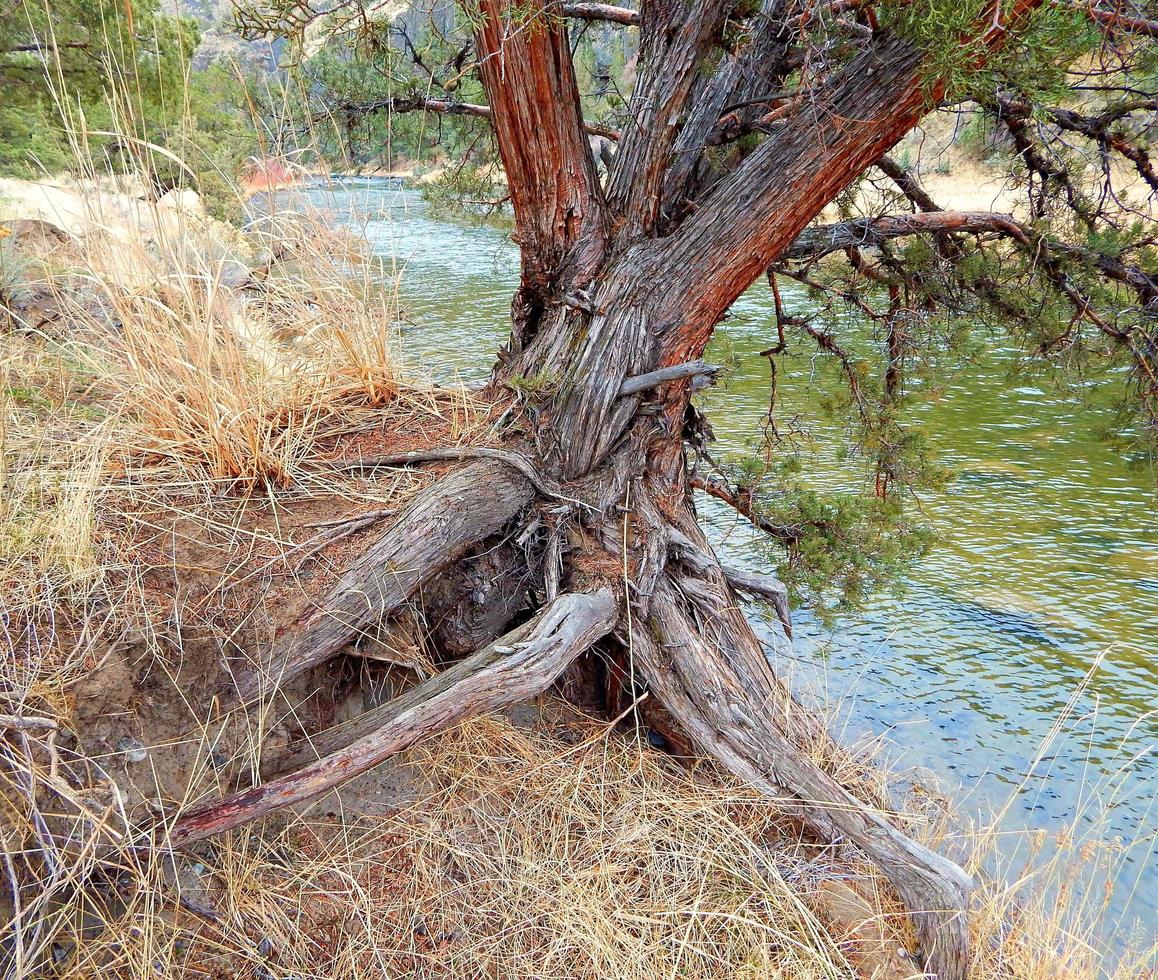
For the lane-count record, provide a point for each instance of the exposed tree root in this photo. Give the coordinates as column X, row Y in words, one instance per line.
column 521, row 664
column 700, row 658
column 438, row 528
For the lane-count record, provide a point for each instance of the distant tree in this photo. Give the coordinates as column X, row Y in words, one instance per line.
column 745, row 121
column 90, row 59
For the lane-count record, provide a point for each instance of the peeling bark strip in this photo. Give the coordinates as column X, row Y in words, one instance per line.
column 433, row 532
column 518, row 666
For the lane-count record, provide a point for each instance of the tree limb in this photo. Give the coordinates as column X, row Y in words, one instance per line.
column 674, row 38
column 602, row 11
column 822, row 240
column 560, row 213
column 907, row 184
column 716, row 487
column 728, row 242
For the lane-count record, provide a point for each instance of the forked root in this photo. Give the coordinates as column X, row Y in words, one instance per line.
column 519, row 665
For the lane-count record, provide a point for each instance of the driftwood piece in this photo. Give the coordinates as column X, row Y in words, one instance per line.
column 434, row 531
column 518, row 666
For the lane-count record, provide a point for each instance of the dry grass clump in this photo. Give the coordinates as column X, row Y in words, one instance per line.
column 556, row 851
column 523, row 855
column 234, row 368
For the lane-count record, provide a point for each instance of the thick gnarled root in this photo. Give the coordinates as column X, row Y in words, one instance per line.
column 698, row 655
column 432, row 533
column 519, row 665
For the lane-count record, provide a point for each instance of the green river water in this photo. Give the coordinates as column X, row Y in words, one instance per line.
column 1046, row 561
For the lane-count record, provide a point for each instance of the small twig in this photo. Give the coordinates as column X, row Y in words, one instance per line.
column 27, row 722
column 338, row 530
column 343, row 521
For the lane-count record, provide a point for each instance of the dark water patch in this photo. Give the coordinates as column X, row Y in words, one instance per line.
column 1012, row 622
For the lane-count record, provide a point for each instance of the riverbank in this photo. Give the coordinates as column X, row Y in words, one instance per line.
column 168, row 506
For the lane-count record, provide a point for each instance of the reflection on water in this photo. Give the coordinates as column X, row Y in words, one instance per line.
column 1047, row 558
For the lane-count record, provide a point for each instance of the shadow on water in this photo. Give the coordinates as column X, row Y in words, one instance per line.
column 1011, row 623
column 1047, row 556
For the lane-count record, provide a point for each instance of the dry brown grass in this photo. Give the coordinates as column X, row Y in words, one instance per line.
column 523, row 856
column 233, row 375
column 553, row 851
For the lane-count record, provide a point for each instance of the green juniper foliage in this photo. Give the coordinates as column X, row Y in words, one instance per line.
column 75, row 71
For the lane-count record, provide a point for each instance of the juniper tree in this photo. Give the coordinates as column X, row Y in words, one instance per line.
column 744, row 122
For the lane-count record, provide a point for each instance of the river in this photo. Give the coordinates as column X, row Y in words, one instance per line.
column 1045, row 566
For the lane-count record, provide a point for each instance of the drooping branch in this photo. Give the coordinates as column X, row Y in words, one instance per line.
column 434, row 531
column 743, row 505
column 907, row 184
column 1018, row 122
column 519, row 665
column 1064, row 267
column 1099, row 128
